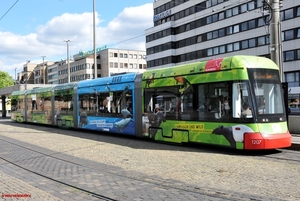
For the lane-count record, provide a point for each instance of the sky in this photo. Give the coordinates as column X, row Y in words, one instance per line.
column 30, row 29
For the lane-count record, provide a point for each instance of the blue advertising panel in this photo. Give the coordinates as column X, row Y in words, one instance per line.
column 107, row 104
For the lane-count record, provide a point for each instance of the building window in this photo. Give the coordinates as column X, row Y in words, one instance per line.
column 221, row 32
column 111, row 64
column 229, row 30
column 121, row 55
column 245, row 44
column 130, row 66
column 260, row 22
column 222, row 49
column 116, row 65
column 221, row 16
column 267, row 40
column 236, row 46
column 208, row 20
column 125, row 56
column 236, row 28
column 229, row 47
column 209, row 36
column 130, row 56
column 251, row 24
column 125, row 65
column 110, row 54
column 259, row 3
column 292, row 79
column 215, row 34
column 235, row 11
column 208, row 3
column 187, row 27
column 215, row 18
column 216, row 50
column 121, row 65
column 228, row 13
column 115, row 54
column 288, row 14
column 289, row 56
column 209, row 52
column 252, row 43
column 199, row 39
column 243, row 8
column 251, row 5
column 288, row 35
column 244, row 26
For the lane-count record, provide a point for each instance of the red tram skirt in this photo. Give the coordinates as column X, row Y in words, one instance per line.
column 256, row 141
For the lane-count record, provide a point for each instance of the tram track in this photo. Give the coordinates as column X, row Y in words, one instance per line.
column 285, row 155
column 157, row 182
column 38, row 151
column 102, row 197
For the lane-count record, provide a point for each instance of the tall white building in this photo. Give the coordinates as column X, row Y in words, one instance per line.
column 186, row 31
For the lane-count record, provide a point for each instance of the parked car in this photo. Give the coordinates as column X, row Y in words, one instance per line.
column 294, row 108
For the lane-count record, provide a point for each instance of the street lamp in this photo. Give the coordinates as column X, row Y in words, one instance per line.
column 94, row 39
column 275, row 34
column 15, row 76
column 44, row 74
column 68, row 41
column 26, row 73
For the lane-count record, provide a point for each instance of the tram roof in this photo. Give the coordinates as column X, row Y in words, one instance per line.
column 115, row 79
column 213, row 65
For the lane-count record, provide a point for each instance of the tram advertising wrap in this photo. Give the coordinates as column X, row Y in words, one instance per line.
column 233, row 101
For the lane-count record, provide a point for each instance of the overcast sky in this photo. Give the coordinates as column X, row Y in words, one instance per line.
column 30, row 29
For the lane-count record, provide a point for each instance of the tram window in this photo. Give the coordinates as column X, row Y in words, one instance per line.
column 167, row 100
column 106, row 103
column 14, row 105
column 122, row 100
column 20, row 104
column 242, row 105
column 63, row 103
column 214, row 101
column 268, row 98
column 207, row 102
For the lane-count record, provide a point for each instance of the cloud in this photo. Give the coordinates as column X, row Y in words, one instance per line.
column 126, row 31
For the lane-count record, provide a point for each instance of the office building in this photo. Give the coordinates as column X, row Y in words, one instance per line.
column 109, row 61
column 187, row 31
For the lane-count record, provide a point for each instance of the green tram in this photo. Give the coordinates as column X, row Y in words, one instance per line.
column 234, row 101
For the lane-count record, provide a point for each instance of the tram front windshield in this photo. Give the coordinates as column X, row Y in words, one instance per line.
column 267, row 91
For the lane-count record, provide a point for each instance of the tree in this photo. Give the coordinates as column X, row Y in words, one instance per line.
column 5, row 80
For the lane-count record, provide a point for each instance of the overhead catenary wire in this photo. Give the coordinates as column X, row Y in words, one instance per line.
column 9, row 10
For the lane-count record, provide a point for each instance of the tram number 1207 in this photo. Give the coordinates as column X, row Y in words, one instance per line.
column 256, row 141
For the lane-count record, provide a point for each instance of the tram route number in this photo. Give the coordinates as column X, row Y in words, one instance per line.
column 256, row 141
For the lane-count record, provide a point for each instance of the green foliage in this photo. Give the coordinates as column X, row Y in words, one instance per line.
column 5, row 80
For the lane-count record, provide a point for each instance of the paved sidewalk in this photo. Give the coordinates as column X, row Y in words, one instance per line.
column 37, row 161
